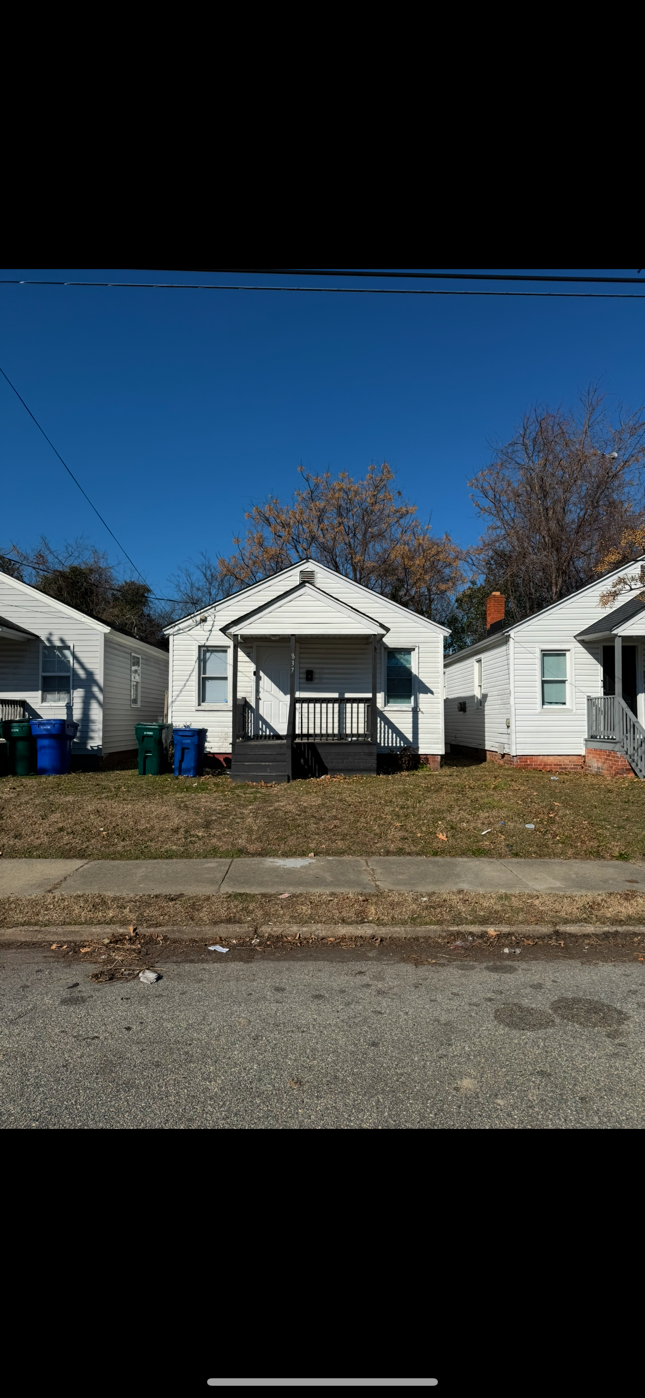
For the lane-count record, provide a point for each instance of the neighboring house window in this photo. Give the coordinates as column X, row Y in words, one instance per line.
column 554, row 677
column 399, row 677
column 213, row 676
column 478, row 683
column 135, row 681
column 56, row 679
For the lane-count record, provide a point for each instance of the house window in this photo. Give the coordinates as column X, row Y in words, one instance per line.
column 554, row 677
column 56, row 675
column 478, row 683
column 135, row 681
column 399, row 678
column 213, row 676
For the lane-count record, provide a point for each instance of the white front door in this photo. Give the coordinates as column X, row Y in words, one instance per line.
column 273, row 688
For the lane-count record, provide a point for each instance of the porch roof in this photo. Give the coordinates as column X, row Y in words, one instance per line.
column 305, row 610
column 628, row 619
column 10, row 631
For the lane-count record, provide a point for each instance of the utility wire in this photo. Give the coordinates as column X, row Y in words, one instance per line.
column 409, row 274
column 70, row 473
column 329, row 290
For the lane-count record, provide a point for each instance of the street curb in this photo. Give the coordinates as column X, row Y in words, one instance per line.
column 232, row 931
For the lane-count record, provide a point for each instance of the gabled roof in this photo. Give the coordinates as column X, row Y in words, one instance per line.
column 303, row 563
column 9, row 629
column 53, row 602
column 611, row 621
column 305, row 610
column 598, row 627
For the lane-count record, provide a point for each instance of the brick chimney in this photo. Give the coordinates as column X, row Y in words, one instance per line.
column 495, row 607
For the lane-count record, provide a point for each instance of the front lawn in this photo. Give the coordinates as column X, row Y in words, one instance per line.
column 482, row 810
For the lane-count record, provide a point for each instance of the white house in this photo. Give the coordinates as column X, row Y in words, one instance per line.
column 56, row 662
column 306, row 673
column 565, row 688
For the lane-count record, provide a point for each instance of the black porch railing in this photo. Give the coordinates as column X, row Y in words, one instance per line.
column 346, row 720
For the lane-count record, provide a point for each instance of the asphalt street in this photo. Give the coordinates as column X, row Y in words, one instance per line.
column 337, row 1038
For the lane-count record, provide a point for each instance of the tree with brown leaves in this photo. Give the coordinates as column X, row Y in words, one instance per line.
column 362, row 528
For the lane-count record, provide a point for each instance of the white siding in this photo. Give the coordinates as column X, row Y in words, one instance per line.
column 482, row 725
column 311, row 614
column 538, row 730
column 120, row 716
column 344, row 662
column 20, row 663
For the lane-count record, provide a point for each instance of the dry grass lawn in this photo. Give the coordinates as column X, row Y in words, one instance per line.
column 393, row 909
column 119, row 815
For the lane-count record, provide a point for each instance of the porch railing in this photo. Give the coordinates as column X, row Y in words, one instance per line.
column 610, row 720
column 345, row 720
column 12, row 709
column 243, row 719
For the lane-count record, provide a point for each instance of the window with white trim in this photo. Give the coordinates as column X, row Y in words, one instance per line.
column 554, row 678
column 135, row 681
column 213, row 675
column 399, row 678
column 56, row 675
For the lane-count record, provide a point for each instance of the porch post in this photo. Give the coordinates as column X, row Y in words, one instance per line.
column 618, row 652
column 291, row 725
column 373, row 721
column 234, row 696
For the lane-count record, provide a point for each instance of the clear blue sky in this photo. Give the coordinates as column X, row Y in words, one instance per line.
column 177, row 409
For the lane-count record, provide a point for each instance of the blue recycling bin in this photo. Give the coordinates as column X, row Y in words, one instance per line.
column 189, row 751
column 54, row 737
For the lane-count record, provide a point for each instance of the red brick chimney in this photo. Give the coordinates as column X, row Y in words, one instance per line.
column 495, row 606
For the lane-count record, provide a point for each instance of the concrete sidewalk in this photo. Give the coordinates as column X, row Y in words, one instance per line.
column 126, row 878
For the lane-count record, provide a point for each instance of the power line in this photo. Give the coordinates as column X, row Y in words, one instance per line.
column 438, row 276
column 41, row 568
column 71, row 473
column 329, row 290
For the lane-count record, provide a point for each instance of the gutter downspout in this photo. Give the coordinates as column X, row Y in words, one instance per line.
column 511, row 678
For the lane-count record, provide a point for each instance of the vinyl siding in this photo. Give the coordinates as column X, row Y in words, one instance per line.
column 342, row 661
column 20, row 663
column 539, row 731
column 120, row 717
column 480, row 726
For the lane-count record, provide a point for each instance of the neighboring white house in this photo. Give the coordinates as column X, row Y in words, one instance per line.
column 308, row 672
column 565, row 688
column 55, row 662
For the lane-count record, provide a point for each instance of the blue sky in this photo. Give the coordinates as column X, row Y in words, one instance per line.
column 178, row 409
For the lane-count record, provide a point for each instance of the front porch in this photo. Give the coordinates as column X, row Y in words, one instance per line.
column 615, row 741
column 324, row 737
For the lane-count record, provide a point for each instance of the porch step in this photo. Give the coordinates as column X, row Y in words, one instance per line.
column 260, row 760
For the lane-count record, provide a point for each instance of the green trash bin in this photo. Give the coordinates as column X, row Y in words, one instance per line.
column 152, row 751
column 17, row 734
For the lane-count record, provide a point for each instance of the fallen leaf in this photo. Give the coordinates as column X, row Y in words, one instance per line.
column 492, row 932
column 85, row 949
column 441, row 837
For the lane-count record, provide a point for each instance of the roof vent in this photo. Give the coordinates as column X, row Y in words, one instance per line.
column 307, row 575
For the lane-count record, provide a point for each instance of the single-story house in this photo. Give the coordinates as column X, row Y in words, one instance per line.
column 562, row 689
column 308, row 673
column 56, row 662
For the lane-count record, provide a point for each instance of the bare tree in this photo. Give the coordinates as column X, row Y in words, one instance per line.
column 199, row 584
column 557, row 498
column 361, row 528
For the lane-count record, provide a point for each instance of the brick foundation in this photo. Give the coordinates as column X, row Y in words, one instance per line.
column 432, row 760
column 566, row 763
column 608, row 762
